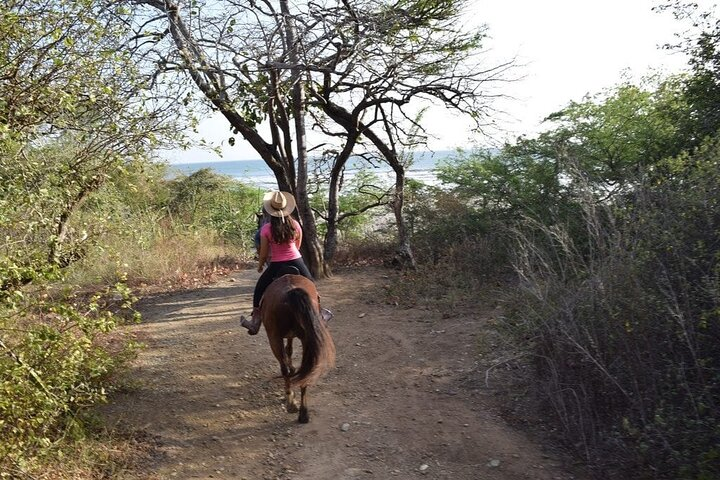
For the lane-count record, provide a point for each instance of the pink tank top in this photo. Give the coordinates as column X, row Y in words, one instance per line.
column 281, row 252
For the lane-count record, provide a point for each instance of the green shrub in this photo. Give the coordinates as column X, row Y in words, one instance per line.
column 215, row 202
column 158, row 230
column 57, row 361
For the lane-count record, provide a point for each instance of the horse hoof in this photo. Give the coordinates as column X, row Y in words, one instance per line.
column 291, row 408
column 304, row 417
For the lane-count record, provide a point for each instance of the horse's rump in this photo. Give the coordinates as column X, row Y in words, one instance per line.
column 290, row 308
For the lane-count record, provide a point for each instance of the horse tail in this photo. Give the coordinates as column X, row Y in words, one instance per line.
column 318, row 354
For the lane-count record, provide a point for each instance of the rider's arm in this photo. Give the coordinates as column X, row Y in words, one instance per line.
column 298, row 236
column 264, row 249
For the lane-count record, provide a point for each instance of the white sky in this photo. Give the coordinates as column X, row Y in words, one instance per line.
column 568, row 48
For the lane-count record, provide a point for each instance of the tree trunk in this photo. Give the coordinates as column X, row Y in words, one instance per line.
column 277, row 155
column 333, row 194
column 313, row 251
column 404, row 257
column 332, row 217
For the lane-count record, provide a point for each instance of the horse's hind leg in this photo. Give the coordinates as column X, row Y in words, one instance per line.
column 288, row 355
column 276, row 345
column 304, row 416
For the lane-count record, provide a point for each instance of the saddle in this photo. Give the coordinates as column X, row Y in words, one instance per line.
column 287, row 270
column 327, row 315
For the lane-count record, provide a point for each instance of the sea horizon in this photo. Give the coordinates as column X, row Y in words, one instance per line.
column 256, row 172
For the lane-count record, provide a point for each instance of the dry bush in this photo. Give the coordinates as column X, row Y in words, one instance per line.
column 458, row 277
column 372, row 249
column 458, row 249
column 624, row 323
column 171, row 261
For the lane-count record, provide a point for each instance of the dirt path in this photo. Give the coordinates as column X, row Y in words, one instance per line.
column 406, row 400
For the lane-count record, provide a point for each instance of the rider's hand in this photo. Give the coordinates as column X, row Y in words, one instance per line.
column 260, row 268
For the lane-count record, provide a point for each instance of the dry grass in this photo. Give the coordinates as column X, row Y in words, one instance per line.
column 103, row 455
column 176, row 261
column 615, row 324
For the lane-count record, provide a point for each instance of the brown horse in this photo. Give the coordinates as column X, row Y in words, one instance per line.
column 290, row 309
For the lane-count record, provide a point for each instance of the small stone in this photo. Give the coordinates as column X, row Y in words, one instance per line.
column 494, row 463
column 345, row 427
column 424, row 467
column 362, row 315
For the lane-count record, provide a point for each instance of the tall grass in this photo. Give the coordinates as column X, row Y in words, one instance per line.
column 617, row 304
column 624, row 324
column 163, row 263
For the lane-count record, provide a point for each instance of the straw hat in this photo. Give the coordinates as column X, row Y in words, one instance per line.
column 279, row 204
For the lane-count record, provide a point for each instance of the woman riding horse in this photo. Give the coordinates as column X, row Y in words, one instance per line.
column 281, row 239
column 290, row 303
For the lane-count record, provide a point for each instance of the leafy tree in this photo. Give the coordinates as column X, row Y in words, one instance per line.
column 605, row 142
column 508, row 184
column 701, row 42
column 73, row 117
column 72, row 114
column 358, row 68
column 610, row 138
column 389, row 59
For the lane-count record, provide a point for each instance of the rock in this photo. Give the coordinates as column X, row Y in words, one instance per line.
column 345, row 427
column 494, row 463
column 362, row 315
column 424, row 467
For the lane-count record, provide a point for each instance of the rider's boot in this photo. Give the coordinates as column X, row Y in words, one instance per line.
column 253, row 325
column 326, row 314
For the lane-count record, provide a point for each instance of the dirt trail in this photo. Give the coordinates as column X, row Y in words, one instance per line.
column 407, row 399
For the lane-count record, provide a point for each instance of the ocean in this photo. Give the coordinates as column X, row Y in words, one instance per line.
column 256, row 172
